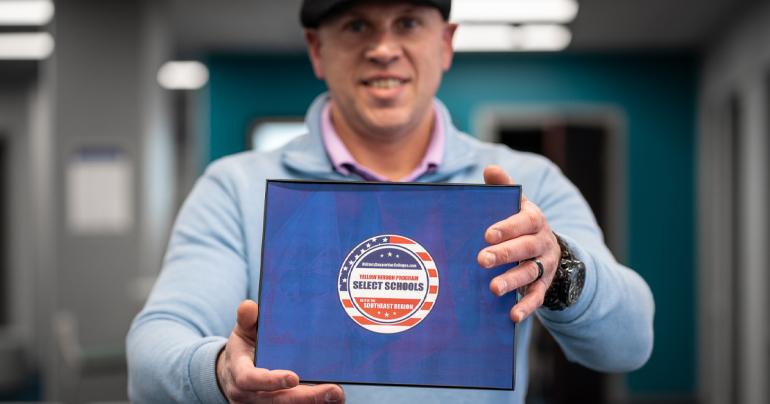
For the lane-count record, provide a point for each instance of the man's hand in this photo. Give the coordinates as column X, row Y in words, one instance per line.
column 242, row 382
column 523, row 236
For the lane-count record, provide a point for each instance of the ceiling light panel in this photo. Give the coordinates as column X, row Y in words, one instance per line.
column 506, row 38
column 25, row 12
column 183, row 75
column 514, row 11
column 25, row 45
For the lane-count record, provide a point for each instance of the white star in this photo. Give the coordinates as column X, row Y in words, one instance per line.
column 384, row 239
column 379, row 312
column 344, row 280
column 368, row 245
column 358, row 255
column 362, row 251
column 382, row 255
column 390, row 254
column 351, row 262
column 397, row 256
column 386, row 314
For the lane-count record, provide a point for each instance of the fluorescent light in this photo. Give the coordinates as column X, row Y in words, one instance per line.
column 183, row 75
column 25, row 45
column 514, row 11
column 502, row 37
column 25, row 12
column 544, row 37
column 484, row 38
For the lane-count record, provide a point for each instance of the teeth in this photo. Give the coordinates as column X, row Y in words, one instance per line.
column 385, row 83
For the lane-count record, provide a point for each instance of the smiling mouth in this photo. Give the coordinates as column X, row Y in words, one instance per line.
column 384, row 83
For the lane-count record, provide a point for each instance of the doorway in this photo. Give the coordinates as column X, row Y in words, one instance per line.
column 587, row 144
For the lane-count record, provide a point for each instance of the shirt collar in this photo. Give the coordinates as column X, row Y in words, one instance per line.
column 345, row 164
column 306, row 157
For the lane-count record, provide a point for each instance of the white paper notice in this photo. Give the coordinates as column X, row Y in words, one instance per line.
column 99, row 191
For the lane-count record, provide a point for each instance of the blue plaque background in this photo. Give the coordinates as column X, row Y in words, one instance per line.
column 466, row 341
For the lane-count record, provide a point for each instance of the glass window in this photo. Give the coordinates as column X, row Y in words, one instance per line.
column 269, row 135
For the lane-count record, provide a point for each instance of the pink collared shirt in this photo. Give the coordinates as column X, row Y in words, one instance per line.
column 345, row 164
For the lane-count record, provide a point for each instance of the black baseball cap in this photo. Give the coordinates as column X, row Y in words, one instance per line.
column 314, row 11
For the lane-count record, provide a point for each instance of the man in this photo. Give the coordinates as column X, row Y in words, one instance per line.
column 382, row 62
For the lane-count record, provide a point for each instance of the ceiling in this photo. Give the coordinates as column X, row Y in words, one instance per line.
column 203, row 26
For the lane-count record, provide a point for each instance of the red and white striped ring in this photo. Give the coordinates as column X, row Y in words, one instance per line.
column 388, row 283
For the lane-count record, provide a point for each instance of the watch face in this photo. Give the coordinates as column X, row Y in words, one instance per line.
column 573, row 293
column 577, row 277
column 568, row 282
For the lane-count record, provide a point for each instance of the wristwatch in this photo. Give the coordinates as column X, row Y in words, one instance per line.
column 568, row 282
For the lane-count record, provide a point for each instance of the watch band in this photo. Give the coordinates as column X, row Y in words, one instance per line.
column 568, row 281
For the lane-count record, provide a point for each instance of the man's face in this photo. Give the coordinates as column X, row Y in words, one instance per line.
column 383, row 63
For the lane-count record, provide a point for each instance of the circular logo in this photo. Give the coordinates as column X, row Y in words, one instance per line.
column 388, row 284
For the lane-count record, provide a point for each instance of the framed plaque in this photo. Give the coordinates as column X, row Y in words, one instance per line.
column 378, row 283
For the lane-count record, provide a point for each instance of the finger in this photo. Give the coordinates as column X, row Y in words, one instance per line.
column 248, row 378
column 529, row 220
column 322, row 393
column 494, row 175
column 510, row 251
column 246, row 320
column 530, row 302
column 241, row 354
column 524, row 274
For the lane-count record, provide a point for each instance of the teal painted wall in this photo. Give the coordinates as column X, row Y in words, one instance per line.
column 657, row 95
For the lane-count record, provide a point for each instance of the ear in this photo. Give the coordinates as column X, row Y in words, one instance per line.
column 313, row 42
column 447, row 40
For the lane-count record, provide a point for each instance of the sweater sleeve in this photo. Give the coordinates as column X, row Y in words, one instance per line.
column 610, row 327
column 174, row 341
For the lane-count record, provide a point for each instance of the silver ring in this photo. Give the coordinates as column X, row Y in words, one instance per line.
column 540, row 269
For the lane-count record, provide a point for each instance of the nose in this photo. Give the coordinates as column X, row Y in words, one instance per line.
column 384, row 49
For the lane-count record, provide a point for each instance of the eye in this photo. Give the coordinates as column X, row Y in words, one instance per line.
column 408, row 23
column 356, row 25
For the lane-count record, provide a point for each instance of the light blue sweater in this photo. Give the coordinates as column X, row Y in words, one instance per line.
column 212, row 264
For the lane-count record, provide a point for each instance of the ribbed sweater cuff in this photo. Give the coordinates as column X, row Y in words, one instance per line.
column 203, row 375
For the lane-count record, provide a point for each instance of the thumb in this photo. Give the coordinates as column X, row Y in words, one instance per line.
column 246, row 320
column 494, row 175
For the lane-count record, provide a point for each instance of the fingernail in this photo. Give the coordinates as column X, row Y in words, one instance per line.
column 286, row 382
column 495, row 236
column 331, row 397
column 502, row 287
column 520, row 316
column 489, row 259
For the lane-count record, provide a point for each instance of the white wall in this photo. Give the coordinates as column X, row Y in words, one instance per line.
column 103, row 92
